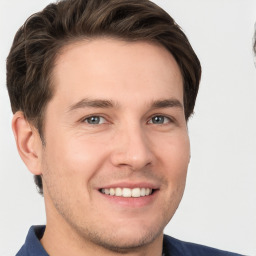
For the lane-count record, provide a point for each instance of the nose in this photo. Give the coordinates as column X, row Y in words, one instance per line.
column 132, row 148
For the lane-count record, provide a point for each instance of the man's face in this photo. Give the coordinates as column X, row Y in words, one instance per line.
column 115, row 125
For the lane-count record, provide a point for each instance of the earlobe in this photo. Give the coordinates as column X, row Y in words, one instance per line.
column 28, row 142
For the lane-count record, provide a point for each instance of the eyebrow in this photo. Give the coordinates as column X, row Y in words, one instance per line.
column 100, row 103
column 167, row 103
column 87, row 103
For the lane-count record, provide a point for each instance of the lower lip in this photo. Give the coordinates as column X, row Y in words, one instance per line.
column 132, row 201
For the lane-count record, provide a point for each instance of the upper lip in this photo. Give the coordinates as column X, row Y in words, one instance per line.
column 131, row 185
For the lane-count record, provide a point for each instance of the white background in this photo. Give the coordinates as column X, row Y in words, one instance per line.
column 219, row 205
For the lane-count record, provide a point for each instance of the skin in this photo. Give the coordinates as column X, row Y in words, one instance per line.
column 126, row 85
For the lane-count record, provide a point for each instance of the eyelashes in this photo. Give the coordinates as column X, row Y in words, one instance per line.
column 160, row 119
column 95, row 120
column 99, row 120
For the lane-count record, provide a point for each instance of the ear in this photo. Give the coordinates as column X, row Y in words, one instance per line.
column 28, row 142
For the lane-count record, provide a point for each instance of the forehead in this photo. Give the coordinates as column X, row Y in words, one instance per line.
column 111, row 68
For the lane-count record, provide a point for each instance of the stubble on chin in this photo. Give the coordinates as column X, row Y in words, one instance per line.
column 120, row 243
column 123, row 242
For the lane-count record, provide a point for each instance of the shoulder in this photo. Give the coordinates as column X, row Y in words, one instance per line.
column 32, row 245
column 175, row 247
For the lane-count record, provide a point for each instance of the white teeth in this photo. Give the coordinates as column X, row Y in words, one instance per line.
column 135, row 192
column 127, row 192
column 142, row 191
column 118, row 192
column 112, row 191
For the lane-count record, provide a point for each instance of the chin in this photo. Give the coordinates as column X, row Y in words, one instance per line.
column 123, row 238
column 126, row 241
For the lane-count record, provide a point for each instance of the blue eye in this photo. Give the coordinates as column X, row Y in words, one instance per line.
column 95, row 120
column 159, row 120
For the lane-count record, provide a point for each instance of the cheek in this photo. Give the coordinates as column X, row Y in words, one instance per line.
column 174, row 152
column 174, row 157
column 75, row 154
column 68, row 166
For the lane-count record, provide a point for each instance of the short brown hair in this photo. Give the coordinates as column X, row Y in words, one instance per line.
column 39, row 40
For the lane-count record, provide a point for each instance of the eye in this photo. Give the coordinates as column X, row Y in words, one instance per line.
column 95, row 120
column 159, row 120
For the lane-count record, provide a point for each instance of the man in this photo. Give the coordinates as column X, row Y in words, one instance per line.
column 101, row 93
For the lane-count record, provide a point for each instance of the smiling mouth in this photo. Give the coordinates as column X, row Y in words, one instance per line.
column 127, row 192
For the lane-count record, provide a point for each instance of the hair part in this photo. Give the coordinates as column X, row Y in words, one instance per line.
column 38, row 42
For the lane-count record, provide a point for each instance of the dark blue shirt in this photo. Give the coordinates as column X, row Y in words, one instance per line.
column 171, row 246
